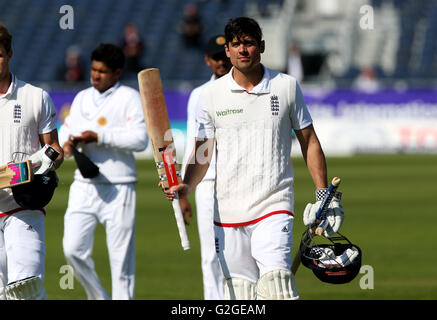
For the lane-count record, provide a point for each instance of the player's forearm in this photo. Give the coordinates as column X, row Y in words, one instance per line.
column 51, row 139
column 134, row 139
column 194, row 173
column 316, row 164
column 198, row 163
column 313, row 155
column 188, row 153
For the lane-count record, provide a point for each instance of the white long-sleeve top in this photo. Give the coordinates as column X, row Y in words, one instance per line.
column 26, row 112
column 253, row 134
column 192, row 109
column 116, row 116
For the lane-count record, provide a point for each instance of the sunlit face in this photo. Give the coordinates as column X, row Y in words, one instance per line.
column 244, row 53
column 219, row 64
column 4, row 62
column 103, row 77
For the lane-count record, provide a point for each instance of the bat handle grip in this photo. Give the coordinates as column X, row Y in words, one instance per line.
column 325, row 203
column 180, row 222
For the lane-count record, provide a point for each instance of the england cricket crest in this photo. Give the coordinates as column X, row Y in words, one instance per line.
column 17, row 113
column 274, row 105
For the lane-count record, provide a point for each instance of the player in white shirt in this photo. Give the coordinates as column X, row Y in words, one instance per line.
column 27, row 122
column 250, row 114
column 107, row 121
column 216, row 59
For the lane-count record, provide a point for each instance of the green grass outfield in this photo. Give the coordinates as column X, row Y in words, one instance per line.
column 390, row 213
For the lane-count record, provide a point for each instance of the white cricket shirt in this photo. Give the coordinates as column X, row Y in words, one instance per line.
column 26, row 112
column 253, row 133
column 116, row 116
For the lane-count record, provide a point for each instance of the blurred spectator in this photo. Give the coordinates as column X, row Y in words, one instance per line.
column 295, row 67
column 366, row 81
column 72, row 70
column 192, row 26
column 133, row 49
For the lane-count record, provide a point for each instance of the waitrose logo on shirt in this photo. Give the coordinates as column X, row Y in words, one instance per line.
column 227, row 112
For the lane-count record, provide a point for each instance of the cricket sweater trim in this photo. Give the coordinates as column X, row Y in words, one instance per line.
column 246, row 223
column 4, row 214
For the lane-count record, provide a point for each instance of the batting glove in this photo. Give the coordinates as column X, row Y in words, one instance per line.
column 43, row 160
column 334, row 213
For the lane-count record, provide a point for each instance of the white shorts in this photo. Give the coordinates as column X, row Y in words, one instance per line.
column 22, row 248
column 250, row 251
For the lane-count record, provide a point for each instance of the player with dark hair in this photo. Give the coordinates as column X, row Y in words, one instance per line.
column 106, row 121
column 250, row 113
column 110, row 55
column 27, row 122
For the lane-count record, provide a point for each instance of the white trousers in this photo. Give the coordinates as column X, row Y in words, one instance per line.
column 211, row 270
column 22, row 247
column 250, row 251
column 114, row 207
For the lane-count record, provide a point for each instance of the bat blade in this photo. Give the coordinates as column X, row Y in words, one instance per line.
column 155, row 110
column 15, row 174
column 161, row 138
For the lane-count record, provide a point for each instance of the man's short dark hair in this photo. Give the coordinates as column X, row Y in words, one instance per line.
column 243, row 26
column 5, row 38
column 109, row 54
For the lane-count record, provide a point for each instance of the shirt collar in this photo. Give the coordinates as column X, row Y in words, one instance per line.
column 262, row 87
column 11, row 88
column 108, row 91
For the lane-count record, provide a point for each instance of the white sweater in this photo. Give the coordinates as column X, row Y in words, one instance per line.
column 26, row 112
column 253, row 132
column 117, row 117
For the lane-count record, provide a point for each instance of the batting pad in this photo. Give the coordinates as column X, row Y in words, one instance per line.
column 27, row 289
column 239, row 289
column 278, row 284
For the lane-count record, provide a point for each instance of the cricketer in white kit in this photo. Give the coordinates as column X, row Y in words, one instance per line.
column 250, row 114
column 215, row 58
column 27, row 121
column 252, row 131
column 107, row 121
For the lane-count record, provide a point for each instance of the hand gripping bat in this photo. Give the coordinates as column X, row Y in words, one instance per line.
column 320, row 224
column 321, row 213
column 161, row 138
column 14, row 174
column 17, row 173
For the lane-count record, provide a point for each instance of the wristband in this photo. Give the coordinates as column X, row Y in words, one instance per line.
column 321, row 193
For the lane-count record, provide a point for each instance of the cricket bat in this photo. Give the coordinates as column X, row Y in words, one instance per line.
column 320, row 215
column 319, row 227
column 161, row 138
column 14, row 174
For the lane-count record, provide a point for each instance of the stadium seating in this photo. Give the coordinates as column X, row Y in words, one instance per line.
column 40, row 44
